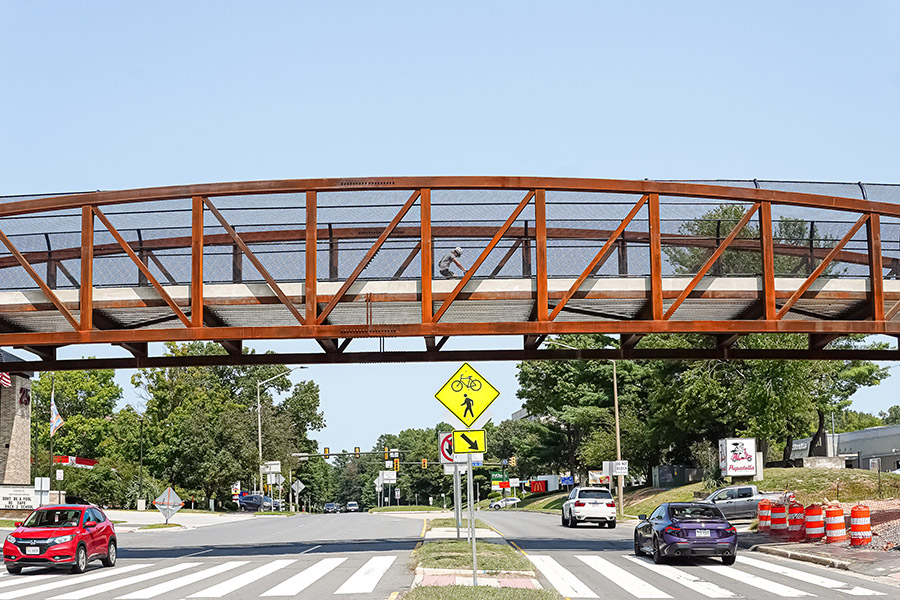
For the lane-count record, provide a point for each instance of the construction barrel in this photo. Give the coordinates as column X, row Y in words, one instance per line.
column 779, row 520
column 835, row 527
column 860, row 526
column 815, row 522
column 796, row 522
column 764, row 515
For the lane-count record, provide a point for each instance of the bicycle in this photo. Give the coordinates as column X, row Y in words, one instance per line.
column 459, row 384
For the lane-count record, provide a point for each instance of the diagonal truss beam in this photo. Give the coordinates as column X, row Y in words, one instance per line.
column 41, row 283
column 484, row 254
column 140, row 265
column 711, row 261
column 599, row 256
column 822, row 266
column 256, row 263
column 376, row 246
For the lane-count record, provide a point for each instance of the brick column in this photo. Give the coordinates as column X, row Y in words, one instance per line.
column 15, row 432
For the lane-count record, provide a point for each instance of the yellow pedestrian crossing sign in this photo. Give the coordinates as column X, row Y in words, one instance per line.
column 467, row 394
column 468, row 441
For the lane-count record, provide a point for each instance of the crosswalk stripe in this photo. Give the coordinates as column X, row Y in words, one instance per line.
column 367, row 577
column 243, row 580
column 757, row 582
column 305, row 578
column 710, row 590
column 20, row 579
column 179, row 582
column 120, row 583
column 832, row 584
column 562, row 579
column 632, row 584
column 71, row 580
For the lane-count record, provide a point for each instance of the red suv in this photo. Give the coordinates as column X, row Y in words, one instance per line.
column 63, row 536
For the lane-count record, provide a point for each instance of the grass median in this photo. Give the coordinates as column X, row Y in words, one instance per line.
column 457, row 554
column 410, row 508
column 479, row 524
column 160, row 526
column 466, row 592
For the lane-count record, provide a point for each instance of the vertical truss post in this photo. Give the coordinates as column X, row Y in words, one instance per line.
column 623, row 256
column 197, row 261
column 768, row 260
column 51, row 264
column 332, row 254
column 427, row 255
column 237, row 263
column 656, row 297
column 312, row 225
column 526, row 252
column 876, row 269
column 86, row 290
column 540, row 210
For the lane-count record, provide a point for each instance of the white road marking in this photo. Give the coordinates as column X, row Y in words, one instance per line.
column 114, row 585
column 367, row 577
column 632, row 584
column 71, row 580
column 20, row 579
column 305, row 578
column 563, row 580
column 174, row 584
column 757, row 582
column 832, row 584
column 710, row 590
column 243, row 580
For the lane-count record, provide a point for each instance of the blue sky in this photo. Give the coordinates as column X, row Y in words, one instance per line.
column 104, row 95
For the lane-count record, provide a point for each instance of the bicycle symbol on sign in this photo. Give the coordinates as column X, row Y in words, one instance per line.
column 468, row 382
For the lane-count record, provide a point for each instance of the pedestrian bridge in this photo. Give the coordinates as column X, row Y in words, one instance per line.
column 339, row 259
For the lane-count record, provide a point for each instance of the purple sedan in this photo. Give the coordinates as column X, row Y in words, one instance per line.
column 686, row 529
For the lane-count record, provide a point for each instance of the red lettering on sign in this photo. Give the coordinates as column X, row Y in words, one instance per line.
column 24, row 396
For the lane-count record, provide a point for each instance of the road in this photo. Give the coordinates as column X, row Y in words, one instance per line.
column 367, row 557
column 594, row 562
column 353, row 556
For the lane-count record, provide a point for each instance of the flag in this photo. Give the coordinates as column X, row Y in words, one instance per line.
column 56, row 421
column 4, row 377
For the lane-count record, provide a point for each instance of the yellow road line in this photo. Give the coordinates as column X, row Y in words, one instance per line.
column 516, row 546
column 394, row 596
column 495, row 530
column 424, row 527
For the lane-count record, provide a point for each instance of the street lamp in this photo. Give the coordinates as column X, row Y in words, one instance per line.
column 259, row 417
column 621, row 478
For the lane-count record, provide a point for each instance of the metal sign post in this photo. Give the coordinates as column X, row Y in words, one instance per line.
column 470, row 493
column 457, row 504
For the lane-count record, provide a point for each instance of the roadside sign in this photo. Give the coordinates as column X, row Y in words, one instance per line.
column 468, row 441
column 514, row 482
column 396, row 494
column 597, row 478
column 566, row 480
column 389, row 476
column 168, row 503
column 275, row 479
column 298, row 486
column 273, row 466
column 59, row 474
column 620, row 467
column 467, row 394
column 445, row 446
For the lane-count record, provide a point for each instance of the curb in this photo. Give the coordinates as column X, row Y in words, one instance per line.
column 802, row 556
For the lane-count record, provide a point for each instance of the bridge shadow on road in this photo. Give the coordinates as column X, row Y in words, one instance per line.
column 227, row 550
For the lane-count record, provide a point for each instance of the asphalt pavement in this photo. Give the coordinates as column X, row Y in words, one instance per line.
column 352, row 555
column 594, row 562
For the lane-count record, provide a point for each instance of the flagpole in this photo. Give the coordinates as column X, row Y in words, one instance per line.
column 52, row 400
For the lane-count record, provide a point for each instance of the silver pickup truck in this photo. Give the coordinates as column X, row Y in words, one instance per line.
column 739, row 501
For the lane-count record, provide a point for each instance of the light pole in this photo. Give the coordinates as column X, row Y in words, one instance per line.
column 259, row 419
column 621, row 478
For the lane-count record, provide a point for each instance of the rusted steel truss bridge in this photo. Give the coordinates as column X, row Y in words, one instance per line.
column 333, row 260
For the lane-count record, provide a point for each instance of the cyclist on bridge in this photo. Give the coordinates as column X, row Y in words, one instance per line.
column 452, row 256
column 468, row 402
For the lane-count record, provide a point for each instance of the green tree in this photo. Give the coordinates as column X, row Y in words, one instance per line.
column 891, row 416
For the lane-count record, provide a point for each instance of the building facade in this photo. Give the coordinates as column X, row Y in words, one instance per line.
column 15, row 425
column 858, row 447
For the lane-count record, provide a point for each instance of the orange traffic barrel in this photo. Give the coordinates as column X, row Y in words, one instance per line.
column 860, row 526
column 764, row 515
column 815, row 522
column 779, row 520
column 835, row 528
column 796, row 522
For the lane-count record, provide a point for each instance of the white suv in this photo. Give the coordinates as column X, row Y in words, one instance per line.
column 589, row 505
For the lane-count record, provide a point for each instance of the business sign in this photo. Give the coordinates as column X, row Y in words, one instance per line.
column 737, row 456
column 499, row 481
column 567, row 480
column 17, row 497
column 597, row 478
column 538, row 486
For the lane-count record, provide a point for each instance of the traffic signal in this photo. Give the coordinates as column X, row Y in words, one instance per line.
column 512, row 461
column 326, row 453
column 386, row 454
column 356, row 451
column 424, row 463
column 396, row 464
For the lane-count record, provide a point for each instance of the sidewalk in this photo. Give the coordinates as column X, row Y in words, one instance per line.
column 131, row 520
column 877, row 563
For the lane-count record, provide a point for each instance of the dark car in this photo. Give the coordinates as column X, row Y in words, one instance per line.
column 332, row 507
column 67, row 535
column 255, row 502
column 686, row 529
